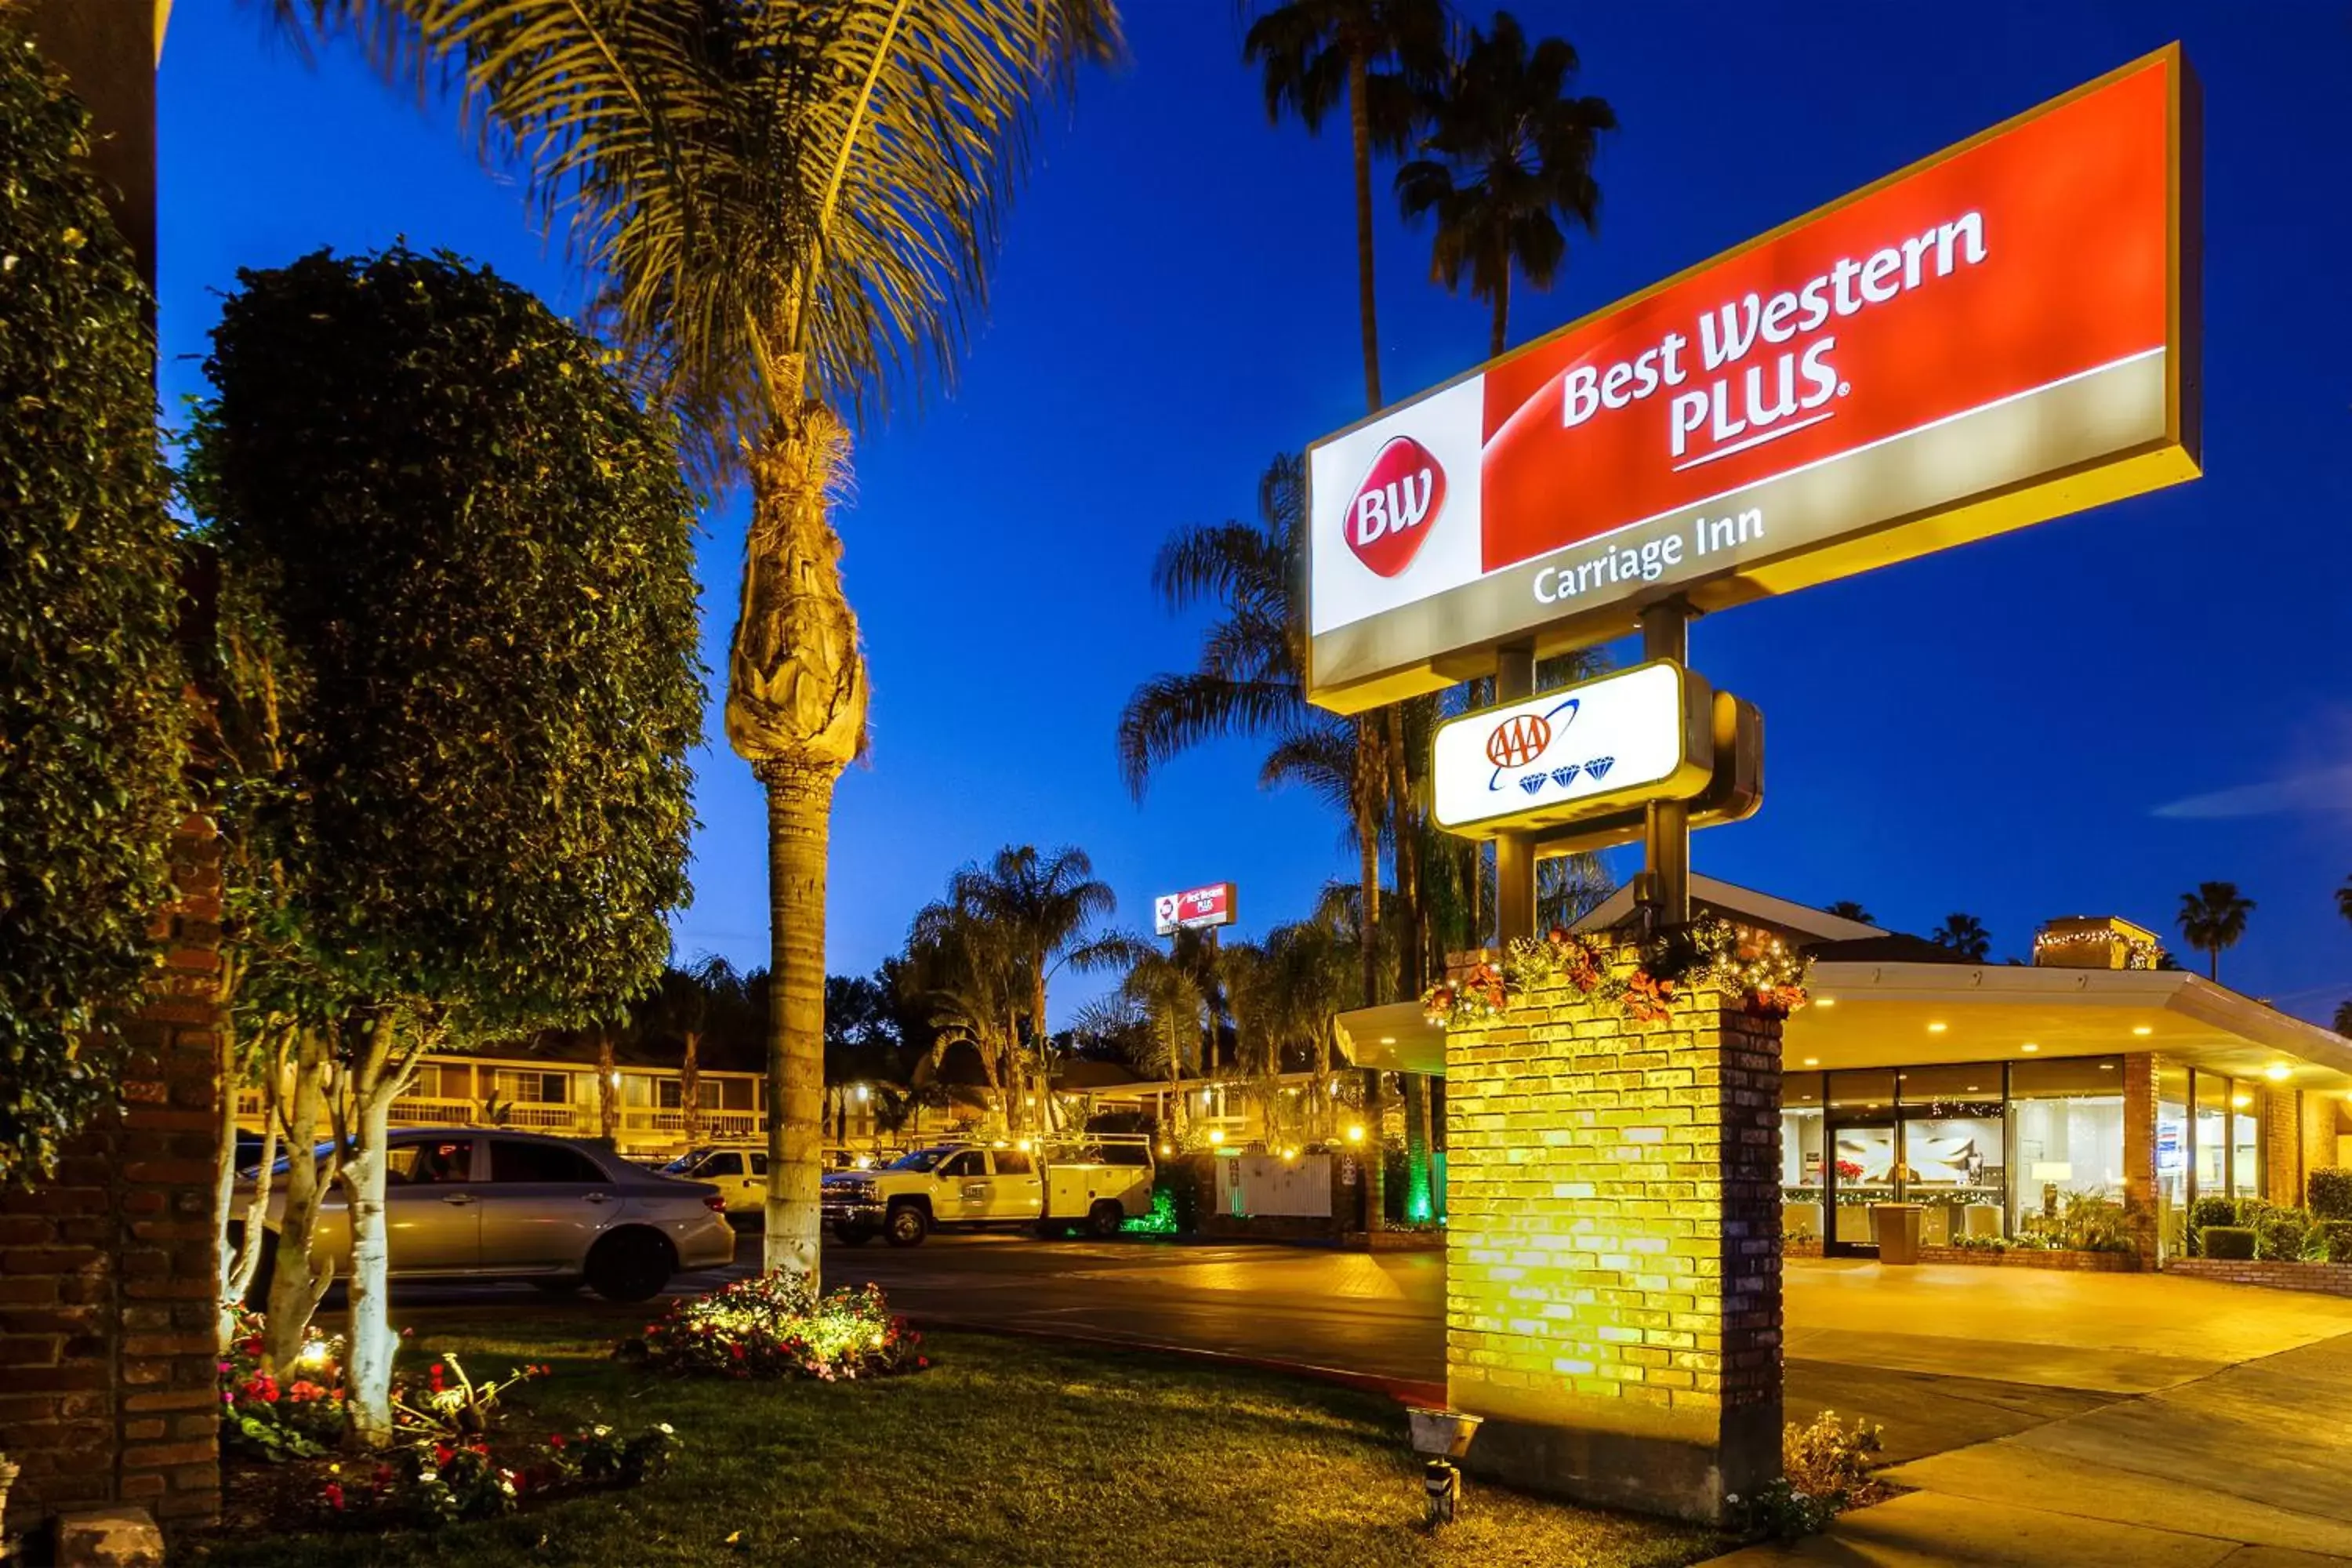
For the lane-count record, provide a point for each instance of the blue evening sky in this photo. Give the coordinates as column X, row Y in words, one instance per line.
column 2086, row 716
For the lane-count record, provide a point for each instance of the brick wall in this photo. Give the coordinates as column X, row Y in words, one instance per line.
column 2140, row 1217
column 1612, row 1263
column 2318, row 1129
column 107, row 1274
column 2323, row 1279
column 2282, row 1146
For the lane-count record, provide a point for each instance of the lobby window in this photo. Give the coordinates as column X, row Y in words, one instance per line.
column 2066, row 1129
column 2245, row 1140
column 2173, row 1160
column 2212, row 1161
column 1952, row 1148
column 1801, row 1154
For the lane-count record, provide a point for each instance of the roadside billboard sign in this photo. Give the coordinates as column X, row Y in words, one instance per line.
column 1575, row 753
column 2002, row 334
column 1193, row 909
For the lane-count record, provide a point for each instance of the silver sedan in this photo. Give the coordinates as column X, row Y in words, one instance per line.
column 481, row 1202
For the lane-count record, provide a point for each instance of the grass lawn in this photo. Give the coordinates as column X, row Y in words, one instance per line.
column 1005, row 1452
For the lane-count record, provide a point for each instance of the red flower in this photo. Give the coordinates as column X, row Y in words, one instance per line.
column 443, row 1453
column 555, row 1439
column 922, row 1362
column 333, row 1492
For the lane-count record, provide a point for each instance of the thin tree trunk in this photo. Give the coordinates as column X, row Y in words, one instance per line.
column 1360, row 128
column 800, row 812
column 1501, row 335
column 1368, row 852
column 241, row 1263
column 608, row 1092
column 690, row 1089
column 372, row 1343
column 300, row 1272
column 1408, row 855
column 1419, row 1202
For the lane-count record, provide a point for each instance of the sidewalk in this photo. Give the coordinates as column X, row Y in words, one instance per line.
column 2243, row 1467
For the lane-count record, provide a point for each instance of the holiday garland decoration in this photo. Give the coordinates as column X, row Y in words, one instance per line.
column 1755, row 966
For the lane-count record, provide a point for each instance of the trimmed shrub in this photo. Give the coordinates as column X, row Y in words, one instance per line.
column 2232, row 1242
column 2331, row 1241
column 91, row 723
column 2330, row 1191
column 2207, row 1212
column 2280, row 1234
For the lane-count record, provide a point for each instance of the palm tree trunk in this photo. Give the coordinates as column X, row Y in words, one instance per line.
column 1501, row 335
column 1360, row 127
column 2213, row 970
column 690, row 1089
column 800, row 812
column 608, row 1092
column 1408, row 856
column 795, row 711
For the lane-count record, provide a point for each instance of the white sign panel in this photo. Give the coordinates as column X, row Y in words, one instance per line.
column 1580, row 752
column 1193, row 909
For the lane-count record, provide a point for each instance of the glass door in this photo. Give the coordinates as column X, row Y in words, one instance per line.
column 1865, row 1168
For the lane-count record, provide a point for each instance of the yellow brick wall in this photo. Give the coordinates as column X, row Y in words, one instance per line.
column 1613, row 1256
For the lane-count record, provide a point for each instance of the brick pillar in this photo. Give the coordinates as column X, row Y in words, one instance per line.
column 108, row 1273
column 2282, row 1147
column 1613, row 1253
column 2140, row 1215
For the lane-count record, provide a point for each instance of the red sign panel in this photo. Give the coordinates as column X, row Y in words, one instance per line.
column 1193, row 909
column 1992, row 337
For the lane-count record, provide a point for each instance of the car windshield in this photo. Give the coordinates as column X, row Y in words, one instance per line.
column 252, row 1171
column 684, row 1163
column 920, row 1160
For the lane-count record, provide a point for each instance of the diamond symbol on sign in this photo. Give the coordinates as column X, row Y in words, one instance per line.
column 1564, row 776
column 1531, row 782
column 1599, row 766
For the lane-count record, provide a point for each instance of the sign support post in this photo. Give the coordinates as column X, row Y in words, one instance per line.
column 1664, row 889
column 1515, row 853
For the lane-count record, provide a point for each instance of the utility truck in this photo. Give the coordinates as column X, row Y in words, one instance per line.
column 1092, row 1183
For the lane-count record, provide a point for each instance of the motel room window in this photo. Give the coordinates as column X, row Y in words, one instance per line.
column 2066, row 1126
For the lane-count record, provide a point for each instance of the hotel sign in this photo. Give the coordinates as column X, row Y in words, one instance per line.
column 1193, row 909
column 1580, row 752
column 2003, row 334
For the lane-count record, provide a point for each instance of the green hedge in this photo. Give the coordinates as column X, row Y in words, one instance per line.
column 91, row 725
column 2232, row 1242
column 2331, row 1241
column 2331, row 1192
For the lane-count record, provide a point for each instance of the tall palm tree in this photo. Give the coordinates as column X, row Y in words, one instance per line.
column 1379, row 56
column 790, row 209
column 2214, row 917
column 2344, row 898
column 1848, row 910
column 1044, row 911
column 967, row 973
column 1964, row 934
column 1506, row 166
column 2344, row 1018
column 1167, row 988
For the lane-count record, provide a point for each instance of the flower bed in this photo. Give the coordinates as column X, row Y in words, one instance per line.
column 769, row 1326
column 1990, row 1258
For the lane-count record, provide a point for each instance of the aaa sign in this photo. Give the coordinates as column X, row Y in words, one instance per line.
column 1574, row 754
column 1997, row 335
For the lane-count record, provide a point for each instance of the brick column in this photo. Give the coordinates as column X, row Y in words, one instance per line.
column 2282, row 1147
column 2140, row 1216
column 107, row 1274
column 1613, row 1255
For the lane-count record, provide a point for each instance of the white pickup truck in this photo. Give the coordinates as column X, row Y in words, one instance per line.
column 1095, row 1182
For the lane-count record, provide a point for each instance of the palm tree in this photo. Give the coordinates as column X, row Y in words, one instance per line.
column 1378, row 55
column 1847, row 909
column 2344, row 1018
column 1506, row 163
column 1042, row 910
column 2344, row 898
column 789, row 210
column 1167, row 989
column 679, row 1008
column 967, row 974
column 2214, row 917
column 1964, row 934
